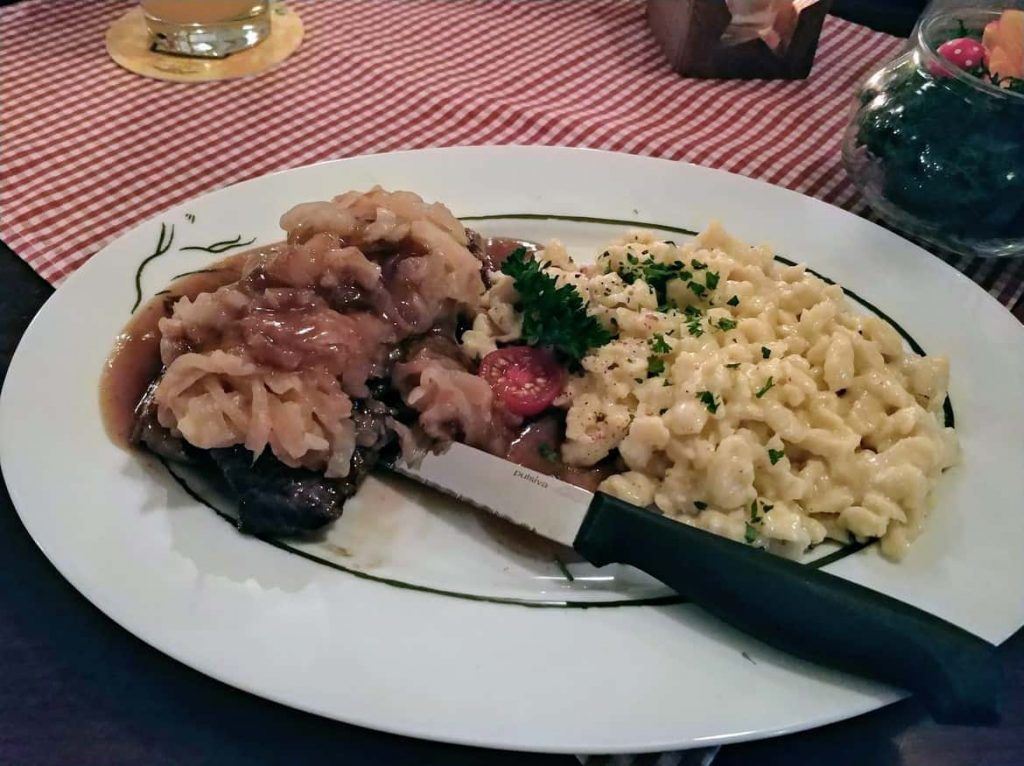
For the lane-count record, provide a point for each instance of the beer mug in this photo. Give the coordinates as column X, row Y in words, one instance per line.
column 206, row 28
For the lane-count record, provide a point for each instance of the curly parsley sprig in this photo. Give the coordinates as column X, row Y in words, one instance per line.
column 553, row 316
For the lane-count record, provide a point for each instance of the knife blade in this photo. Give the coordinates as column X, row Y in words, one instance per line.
column 543, row 504
column 803, row 611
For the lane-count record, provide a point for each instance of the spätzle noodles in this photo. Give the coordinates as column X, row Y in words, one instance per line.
column 745, row 396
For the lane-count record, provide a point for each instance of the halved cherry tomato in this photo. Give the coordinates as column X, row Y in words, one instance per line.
column 526, row 380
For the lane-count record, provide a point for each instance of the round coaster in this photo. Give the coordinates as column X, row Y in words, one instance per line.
column 128, row 44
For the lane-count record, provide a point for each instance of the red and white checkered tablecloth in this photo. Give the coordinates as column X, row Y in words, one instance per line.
column 87, row 150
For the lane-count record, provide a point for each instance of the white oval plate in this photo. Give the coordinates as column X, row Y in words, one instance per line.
column 448, row 658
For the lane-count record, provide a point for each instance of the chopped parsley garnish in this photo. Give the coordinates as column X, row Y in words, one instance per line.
column 755, row 518
column 700, row 505
column 733, row 301
column 750, row 534
column 655, row 363
column 693, row 321
column 655, row 274
column 711, row 280
column 708, row 400
column 553, row 316
column 765, row 352
column 764, row 389
column 726, row 324
column 698, row 265
column 548, row 452
column 775, row 455
column 732, row 366
column 658, row 344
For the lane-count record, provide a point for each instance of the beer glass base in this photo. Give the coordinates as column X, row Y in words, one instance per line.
column 208, row 40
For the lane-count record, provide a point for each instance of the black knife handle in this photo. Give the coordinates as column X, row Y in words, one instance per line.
column 802, row 611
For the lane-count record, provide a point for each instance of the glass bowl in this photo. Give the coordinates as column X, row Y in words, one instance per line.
column 937, row 152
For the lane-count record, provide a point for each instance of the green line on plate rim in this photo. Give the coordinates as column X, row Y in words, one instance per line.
column 189, row 274
column 578, row 219
column 564, row 570
column 217, row 248
column 164, row 242
column 161, row 248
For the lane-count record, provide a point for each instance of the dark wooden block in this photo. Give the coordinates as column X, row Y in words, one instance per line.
column 690, row 34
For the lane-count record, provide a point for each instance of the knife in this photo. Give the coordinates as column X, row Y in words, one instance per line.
column 800, row 610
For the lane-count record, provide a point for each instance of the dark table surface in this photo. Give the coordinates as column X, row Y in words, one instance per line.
column 77, row 689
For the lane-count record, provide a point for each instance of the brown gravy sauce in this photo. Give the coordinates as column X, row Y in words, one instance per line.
column 135, row 362
column 135, row 359
column 536, row 448
column 497, row 249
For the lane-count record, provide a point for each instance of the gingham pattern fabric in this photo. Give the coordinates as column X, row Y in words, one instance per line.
column 87, row 150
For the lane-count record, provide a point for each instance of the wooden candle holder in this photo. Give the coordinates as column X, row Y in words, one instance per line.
column 690, row 33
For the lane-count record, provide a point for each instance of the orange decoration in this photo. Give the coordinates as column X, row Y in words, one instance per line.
column 1004, row 40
